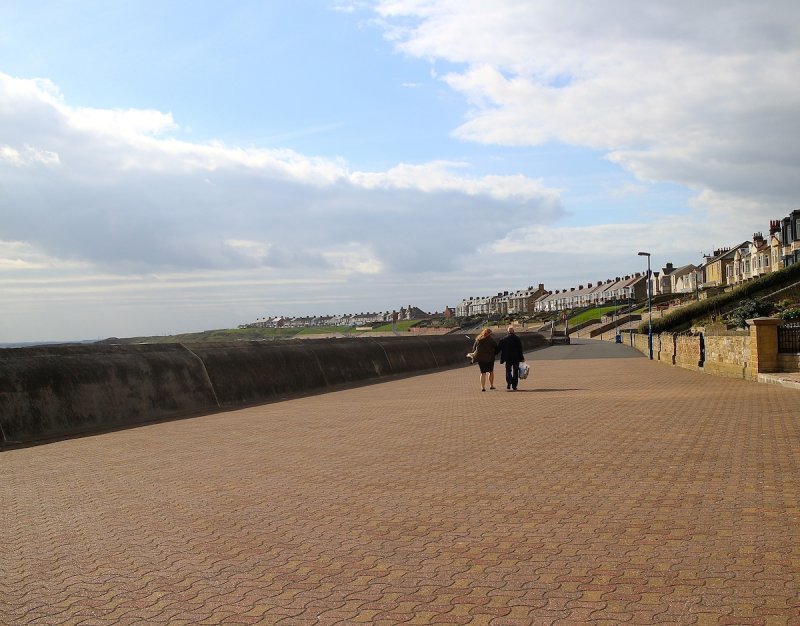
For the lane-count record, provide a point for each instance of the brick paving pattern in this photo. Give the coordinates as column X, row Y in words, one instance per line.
column 606, row 492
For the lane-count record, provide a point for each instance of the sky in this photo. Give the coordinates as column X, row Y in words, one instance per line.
column 180, row 166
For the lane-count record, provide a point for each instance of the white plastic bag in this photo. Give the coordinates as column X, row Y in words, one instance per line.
column 523, row 370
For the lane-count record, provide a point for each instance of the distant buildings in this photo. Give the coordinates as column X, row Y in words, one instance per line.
column 346, row 319
column 541, row 300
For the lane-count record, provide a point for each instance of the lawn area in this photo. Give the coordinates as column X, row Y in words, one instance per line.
column 267, row 334
column 592, row 314
column 324, row 330
column 221, row 335
column 402, row 326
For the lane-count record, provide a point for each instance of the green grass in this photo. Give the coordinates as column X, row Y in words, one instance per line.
column 324, row 330
column 221, row 335
column 266, row 334
column 592, row 314
column 402, row 326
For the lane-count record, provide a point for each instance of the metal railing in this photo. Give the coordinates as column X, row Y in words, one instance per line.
column 789, row 338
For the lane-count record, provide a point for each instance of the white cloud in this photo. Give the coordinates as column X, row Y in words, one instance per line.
column 28, row 156
column 353, row 258
column 129, row 195
column 705, row 95
column 607, row 240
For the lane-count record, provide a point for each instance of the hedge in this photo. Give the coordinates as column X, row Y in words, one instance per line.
column 683, row 318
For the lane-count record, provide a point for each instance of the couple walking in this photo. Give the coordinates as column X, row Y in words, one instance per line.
column 510, row 349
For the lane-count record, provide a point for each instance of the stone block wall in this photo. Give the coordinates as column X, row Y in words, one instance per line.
column 687, row 352
column 640, row 343
column 789, row 362
column 729, row 355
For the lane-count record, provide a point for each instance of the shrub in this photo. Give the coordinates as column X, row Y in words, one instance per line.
column 682, row 318
column 790, row 314
column 749, row 309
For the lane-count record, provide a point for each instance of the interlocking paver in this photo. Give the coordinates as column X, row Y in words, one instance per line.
column 606, row 492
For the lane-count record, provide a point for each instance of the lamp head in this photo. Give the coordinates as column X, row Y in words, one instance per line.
column 644, row 254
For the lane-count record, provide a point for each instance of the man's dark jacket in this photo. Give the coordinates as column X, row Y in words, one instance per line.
column 510, row 349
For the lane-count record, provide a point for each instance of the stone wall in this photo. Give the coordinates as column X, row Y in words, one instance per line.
column 729, row 355
column 789, row 362
column 687, row 352
column 726, row 354
column 640, row 343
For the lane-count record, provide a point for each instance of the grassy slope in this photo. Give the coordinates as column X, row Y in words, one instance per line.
column 685, row 317
column 261, row 334
column 592, row 314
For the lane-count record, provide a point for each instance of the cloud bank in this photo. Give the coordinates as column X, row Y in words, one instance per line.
column 700, row 94
column 119, row 189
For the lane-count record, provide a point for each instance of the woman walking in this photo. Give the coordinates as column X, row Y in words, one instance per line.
column 484, row 350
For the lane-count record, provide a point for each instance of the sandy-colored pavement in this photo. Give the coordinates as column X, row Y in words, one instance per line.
column 606, row 491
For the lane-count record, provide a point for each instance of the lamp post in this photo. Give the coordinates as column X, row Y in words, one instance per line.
column 649, row 307
column 630, row 308
column 697, row 275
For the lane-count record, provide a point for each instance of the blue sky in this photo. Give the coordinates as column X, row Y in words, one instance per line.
column 177, row 166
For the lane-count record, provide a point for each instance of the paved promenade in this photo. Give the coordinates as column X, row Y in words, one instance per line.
column 607, row 490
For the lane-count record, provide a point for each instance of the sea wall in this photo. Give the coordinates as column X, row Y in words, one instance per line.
column 56, row 391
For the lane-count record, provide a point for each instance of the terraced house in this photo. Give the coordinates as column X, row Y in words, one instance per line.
column 790, row 238
column 725, row 267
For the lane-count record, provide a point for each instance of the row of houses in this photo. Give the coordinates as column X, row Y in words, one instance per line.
column 621, row 288
column 725, row 267
column 346, row 319
column 734, row 265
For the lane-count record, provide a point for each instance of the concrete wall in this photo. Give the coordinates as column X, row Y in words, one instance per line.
column 56, row 391
column 59, row 390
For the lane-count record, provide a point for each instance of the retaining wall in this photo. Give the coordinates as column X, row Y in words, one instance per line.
column 56, row 391
column 789, row 362
column 729, row 355
column 723, row 355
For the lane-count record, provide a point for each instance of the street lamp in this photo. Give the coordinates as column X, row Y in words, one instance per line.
column 697, row 275
column 649, row 307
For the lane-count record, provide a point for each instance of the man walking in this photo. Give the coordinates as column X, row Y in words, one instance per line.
column 510, row 349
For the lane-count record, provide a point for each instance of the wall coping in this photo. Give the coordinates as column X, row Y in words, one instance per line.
column 765, row 321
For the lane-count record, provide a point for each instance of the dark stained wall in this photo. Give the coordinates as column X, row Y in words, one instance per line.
column 55, row 391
